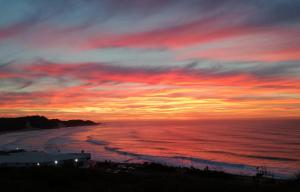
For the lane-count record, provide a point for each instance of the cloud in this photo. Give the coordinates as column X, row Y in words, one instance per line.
column 169, row 24
column 154, row 56
column 195, row 73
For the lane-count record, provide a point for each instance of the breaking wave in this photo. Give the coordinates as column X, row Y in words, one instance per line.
column 181, row 161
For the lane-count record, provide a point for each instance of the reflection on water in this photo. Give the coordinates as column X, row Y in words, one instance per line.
column 232, row 145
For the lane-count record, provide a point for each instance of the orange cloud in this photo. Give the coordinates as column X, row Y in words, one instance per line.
column 113, row 93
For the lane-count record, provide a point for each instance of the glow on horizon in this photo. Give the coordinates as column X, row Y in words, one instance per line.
column 150, row 59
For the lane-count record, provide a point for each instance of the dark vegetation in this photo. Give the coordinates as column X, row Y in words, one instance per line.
column 38, row 122
column 108, row 176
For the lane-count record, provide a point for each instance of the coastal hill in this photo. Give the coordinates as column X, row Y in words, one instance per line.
column 39, row 122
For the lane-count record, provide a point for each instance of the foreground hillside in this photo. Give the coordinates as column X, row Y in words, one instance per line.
column 134, row 177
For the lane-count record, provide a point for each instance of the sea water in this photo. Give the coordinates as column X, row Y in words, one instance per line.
column 235, row 146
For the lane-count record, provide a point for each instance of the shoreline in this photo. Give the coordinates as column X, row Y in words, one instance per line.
column 23, row 158
column 36, row 170
column 164, row 162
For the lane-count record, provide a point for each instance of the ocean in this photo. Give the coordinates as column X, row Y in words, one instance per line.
column 234, row 146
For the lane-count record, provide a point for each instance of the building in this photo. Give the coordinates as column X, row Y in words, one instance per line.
column 21, row 158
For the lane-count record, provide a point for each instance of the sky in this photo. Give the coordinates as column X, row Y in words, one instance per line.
column 150, row 59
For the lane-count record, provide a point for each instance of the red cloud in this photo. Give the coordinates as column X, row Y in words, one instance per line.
column 278, row 47
column 101, row 73
column 172, row 37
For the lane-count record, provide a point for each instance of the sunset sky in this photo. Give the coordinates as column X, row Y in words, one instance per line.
column 150, row 59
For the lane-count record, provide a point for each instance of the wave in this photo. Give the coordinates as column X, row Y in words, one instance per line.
column 271, row 158
column 256, row 156
column 91, row 139
column 185, row 161
column 150, row 157
column 241, row 169
column 12, row 143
